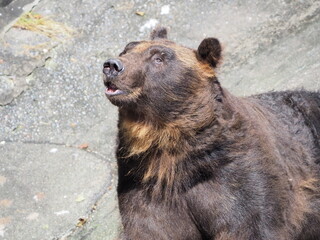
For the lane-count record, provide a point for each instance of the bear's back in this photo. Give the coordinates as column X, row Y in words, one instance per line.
column 299, row 112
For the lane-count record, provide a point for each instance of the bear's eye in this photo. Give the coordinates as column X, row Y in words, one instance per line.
column 158, row 60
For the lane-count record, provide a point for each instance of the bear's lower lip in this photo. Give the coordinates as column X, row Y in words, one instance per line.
column 112, row 90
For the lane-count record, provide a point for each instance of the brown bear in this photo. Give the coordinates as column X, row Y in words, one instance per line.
column 196, row 162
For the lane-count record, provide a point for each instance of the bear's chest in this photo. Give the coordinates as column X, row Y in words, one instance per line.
column 143, row 218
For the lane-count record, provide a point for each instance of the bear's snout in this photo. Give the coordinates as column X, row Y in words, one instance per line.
column 112, row 67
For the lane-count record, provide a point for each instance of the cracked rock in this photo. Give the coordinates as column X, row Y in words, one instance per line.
column 11, row 87
column 6, row 90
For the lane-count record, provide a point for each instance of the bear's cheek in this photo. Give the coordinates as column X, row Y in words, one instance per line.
column 136, row 79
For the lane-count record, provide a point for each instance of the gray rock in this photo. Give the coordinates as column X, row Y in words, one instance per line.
column 10, row 11
column 6, row 90
column 45, row 189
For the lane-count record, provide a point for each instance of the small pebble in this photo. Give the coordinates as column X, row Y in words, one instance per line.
column 53, row 150
column 165, row 9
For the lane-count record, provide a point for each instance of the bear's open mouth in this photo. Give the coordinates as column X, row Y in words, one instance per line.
column 112, row 89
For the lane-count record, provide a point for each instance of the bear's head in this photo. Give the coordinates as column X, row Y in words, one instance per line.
column 163, row 79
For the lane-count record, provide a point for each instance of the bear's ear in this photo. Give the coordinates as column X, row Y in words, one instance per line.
column 158, row 32
column 209, row 50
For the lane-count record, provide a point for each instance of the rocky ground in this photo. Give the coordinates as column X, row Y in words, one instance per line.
column 57, row 132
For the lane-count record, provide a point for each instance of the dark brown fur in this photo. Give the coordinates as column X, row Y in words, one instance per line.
column 196, row 162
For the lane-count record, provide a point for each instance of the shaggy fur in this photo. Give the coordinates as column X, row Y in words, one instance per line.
column 196, row 162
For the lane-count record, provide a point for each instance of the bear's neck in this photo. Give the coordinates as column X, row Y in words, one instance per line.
column 151, row 150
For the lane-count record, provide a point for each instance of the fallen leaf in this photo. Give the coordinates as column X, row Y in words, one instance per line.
column 39, row 196
column 81, row 222
column 5, row 203
column 19, row 127
column 84, row 146
column 5, row 221
column 32, row 216
column 80, row 198
column 2, row 180
column 63, row 212
column 2, row 231
column 46, row 226
column 94, row 207
column 141, row 14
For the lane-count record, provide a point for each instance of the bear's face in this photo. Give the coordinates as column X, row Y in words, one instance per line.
column 159, row 75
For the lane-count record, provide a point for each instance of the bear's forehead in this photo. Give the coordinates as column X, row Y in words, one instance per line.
column 144, row 46
column 184, row 54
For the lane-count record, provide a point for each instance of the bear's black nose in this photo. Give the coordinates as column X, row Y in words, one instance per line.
column 112, row 67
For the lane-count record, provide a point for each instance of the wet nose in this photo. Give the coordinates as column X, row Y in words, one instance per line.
column 112, row 67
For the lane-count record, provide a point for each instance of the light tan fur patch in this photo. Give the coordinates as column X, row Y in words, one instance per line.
column 142, row 136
